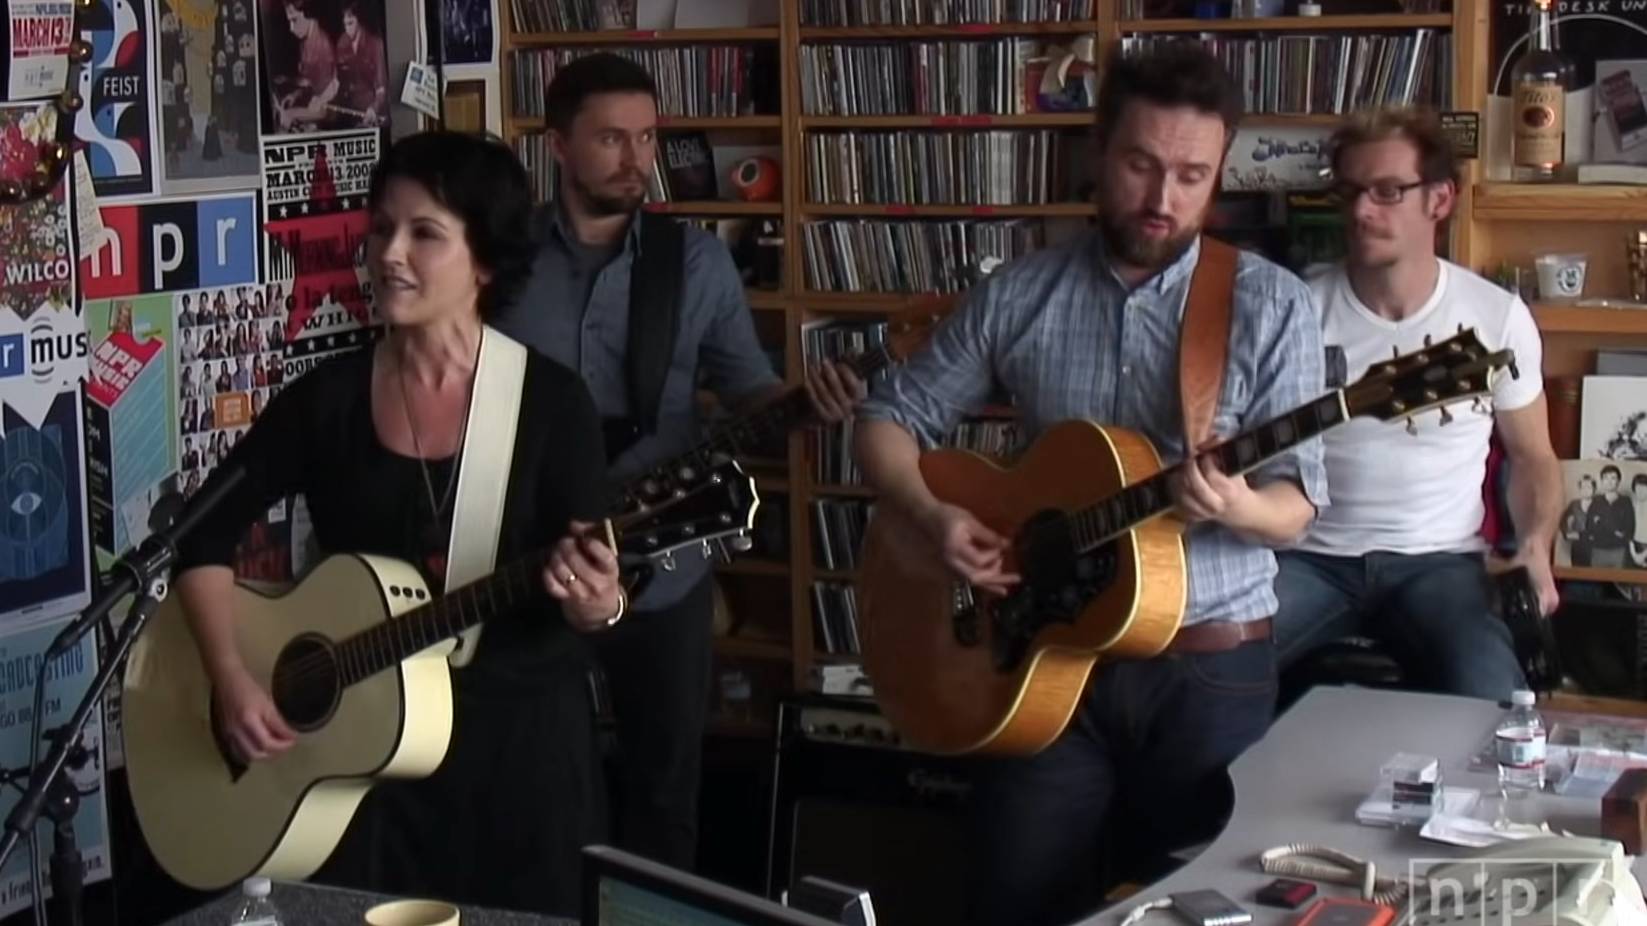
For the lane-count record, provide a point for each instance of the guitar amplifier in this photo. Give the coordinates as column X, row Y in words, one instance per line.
column 852, row 804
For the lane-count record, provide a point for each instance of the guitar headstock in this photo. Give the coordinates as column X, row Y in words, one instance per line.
column 1432, row 377
column 908, row 330
column 695, row 508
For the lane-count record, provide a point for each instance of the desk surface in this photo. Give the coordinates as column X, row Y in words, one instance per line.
column 320, row 905
column 1303, row 781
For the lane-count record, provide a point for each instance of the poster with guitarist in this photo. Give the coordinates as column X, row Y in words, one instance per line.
column 324, row 65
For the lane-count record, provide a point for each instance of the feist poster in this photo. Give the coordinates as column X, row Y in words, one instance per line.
column 208, row 79
column 115, row 125
column 324, row 65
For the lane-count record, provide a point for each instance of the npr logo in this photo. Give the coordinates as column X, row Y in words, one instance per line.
column 170, row 246
column 1500, row 892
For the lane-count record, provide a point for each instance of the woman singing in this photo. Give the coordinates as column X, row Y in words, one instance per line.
column 372, row 440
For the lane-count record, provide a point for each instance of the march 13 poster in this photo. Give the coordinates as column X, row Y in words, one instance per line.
column 115, row 123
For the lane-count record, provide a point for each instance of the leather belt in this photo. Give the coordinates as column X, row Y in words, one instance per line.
column 1218, row 636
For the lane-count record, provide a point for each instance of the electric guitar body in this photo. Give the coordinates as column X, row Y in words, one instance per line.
column 1133, row 592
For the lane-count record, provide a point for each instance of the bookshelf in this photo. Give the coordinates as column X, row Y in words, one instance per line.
column 776, row 638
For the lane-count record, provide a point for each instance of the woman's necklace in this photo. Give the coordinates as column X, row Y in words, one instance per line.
column 436, row 507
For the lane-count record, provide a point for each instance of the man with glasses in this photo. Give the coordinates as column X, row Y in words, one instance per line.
column 1398, row 555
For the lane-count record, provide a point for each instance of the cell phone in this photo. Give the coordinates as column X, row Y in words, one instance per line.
column 1336, row 911
column 1286, row 893
column 1209, row 908
column 1625, row 108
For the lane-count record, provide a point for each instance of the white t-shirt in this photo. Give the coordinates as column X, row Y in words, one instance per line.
column 1408, row 493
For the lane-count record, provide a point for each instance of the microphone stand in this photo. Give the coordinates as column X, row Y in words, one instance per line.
column 144, row 571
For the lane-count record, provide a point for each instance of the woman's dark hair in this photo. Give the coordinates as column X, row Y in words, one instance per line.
column 1176, row 73
column 479, row 179
column 601, row 72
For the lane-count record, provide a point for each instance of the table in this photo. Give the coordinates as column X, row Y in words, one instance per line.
column 1304, row 779
column 321, row 905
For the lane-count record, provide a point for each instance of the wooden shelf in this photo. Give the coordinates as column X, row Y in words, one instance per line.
column 774, row 650
column 978, row 121
column 1044, row 210
column 765, row 299
column 1560, row 202
column 1321, row 119
column 648, row 36
column 771, row 483
column 715, row 207
column 963, row 30
column 1291, row 23
column 1589, row 574
column 1556, row 318
column 847, row 303
column 674, row 123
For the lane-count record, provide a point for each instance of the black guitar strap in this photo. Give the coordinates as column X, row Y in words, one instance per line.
column 655, row 280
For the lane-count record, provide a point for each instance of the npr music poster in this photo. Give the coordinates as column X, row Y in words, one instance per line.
column 314, row 204
column 115, row 126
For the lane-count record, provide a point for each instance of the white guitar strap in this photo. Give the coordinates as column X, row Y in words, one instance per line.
column 483, row 471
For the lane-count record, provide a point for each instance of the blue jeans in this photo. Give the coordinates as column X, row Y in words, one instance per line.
column 1139, row 772
column 1430, row 611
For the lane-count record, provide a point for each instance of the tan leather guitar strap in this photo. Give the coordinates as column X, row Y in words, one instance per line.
column 483, row 471
column 1203, row 341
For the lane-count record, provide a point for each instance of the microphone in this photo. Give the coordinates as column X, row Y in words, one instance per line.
column 150, row 559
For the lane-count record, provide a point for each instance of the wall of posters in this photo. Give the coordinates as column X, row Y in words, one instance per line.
column 116, row 124
column 324, row 65
column 208, row 77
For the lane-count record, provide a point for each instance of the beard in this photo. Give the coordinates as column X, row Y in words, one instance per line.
column 1130, row 246
column 598, row 203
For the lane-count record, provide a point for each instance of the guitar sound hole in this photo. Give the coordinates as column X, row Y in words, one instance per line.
column 306, row 684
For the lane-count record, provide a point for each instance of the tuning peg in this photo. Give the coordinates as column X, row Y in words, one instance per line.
column 1515, row 372
column 707, row 550
column 667, row 561
column 1476, row 406
column 1446, row 416
column 1427, row 340
column 1411, row 427
column 1395, row 352
column 741, row 542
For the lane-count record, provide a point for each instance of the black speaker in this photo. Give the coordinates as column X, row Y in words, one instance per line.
column 1603, row 645
column 851, row 804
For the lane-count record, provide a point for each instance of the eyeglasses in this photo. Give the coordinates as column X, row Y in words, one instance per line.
column 1384, row 194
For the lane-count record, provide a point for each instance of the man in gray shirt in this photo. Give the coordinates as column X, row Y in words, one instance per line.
column 602, row 116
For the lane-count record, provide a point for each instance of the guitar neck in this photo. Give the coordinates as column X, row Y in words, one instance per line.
column 1098, row 524
column 393, row 641
column 772, row 420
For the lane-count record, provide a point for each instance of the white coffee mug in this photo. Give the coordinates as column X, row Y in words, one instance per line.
column 1561, row 276
column 412, row 913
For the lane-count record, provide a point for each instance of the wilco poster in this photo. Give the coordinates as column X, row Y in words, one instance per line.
column 1602, row 39
column 208, row 94
column 39, row 32
column 67, row 679
column 36, row 261
column 115, row 126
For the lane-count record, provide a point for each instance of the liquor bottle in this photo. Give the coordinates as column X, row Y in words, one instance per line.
column 1539, row 81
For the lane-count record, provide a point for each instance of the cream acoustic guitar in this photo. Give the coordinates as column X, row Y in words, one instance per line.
column 1102, row 565
column 355, row 658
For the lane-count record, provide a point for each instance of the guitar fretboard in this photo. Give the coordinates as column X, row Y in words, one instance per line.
column 389, row 642
column 1097, row 524
column 770, row 422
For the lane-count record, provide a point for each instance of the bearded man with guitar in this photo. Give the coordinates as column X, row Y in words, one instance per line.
column 649, row 311
column 1093, row 329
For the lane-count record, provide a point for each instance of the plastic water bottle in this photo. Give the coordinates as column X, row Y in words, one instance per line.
column 256, row 909
column 1519, row 743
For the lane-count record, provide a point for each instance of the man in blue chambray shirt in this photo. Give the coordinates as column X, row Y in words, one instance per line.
column 1090, row 329
column 602, row 116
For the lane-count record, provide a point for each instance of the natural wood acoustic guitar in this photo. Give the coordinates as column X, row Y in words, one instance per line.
column 1102, row 561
